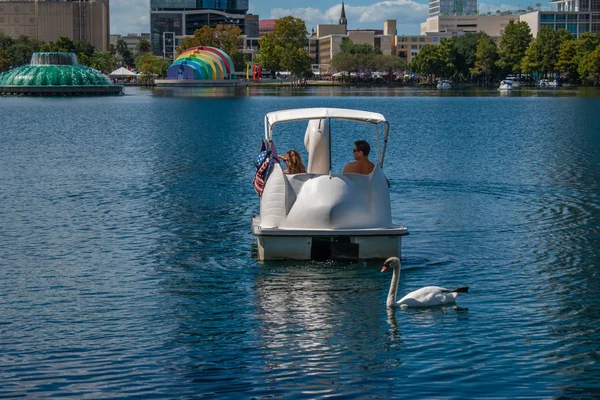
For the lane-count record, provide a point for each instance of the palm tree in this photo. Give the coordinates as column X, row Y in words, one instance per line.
column 102, row 61
column 143, row 46
column 121, row 46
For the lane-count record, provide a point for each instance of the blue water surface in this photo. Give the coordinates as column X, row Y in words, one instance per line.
column 128, row 270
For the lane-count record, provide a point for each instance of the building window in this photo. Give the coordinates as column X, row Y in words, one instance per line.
column 16, row 20
column 32, row 20
column 421, row 39
column 17, row 9
column 572, row 28
column 546, row 18
column 561, row 18
column 584, row 17
column 414, row 46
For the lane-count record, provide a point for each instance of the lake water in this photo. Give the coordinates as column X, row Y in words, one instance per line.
column 127, row 265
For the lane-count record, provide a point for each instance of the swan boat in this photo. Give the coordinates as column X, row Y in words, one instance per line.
column 323, row 215
column 506, row 85
column 443, row 85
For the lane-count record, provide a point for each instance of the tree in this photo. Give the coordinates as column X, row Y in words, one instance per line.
column 446, row 54
column 348, row 46
column 150, row 66
column 589, row 68
column 102, row 61
column 121, row 47
column 486, row 56
column 567, row 59
column 284, row 49
column 543, row 52
column 19, row 53
column 4, row 61
column 514, row 44
column 465, row 47
column 143, row 46
column 389, row 64
column 427, row 61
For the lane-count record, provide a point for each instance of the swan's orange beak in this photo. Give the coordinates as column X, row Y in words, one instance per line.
column 385, row 267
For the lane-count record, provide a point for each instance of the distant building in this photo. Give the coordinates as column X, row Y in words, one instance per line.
column 266, row 26
column 493, row 25
column 172, row 20
column 452, row 7
column 576, row 16
column 84, row 20
column 132, row 40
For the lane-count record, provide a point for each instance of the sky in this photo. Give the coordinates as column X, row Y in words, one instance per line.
column 133, row 16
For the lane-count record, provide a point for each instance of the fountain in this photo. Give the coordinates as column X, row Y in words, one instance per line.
column 56, row 74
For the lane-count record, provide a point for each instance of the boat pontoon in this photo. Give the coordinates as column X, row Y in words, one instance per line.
column 321, row 214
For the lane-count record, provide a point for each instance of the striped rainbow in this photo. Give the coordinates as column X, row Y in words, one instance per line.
column 202, row 62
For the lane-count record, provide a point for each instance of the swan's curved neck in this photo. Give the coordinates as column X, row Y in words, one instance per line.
column 391, row 299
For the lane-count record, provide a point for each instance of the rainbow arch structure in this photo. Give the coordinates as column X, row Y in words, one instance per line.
column 202, row 62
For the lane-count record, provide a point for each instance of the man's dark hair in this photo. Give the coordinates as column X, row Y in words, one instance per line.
column 362, row 145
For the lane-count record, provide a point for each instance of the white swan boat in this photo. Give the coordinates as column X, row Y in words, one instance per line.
column 443, row 85
column 506, row 85
column 321, row 214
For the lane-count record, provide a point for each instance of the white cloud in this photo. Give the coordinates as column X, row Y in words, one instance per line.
column 406, row 12
column 129, row 16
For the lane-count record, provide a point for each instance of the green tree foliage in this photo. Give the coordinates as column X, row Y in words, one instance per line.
column 150, row 66
column 543, row 52
column 589, row 68
column 514, row 44
column 465, row 47
column 102, row 61
column 143, row 46
column 4, row 60
column 348, row 46
column 121, row 47
column 446, row 54
column 486, row 56
column 283, row 49
column 426, row 62
column 19, row 53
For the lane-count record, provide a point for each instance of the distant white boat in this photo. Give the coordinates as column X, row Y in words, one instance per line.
column 506, row 85
column 443, row 85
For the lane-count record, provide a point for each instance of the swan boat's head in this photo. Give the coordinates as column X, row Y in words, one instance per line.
column 390, row 263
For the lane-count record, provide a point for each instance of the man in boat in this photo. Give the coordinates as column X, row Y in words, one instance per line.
column 361, row 165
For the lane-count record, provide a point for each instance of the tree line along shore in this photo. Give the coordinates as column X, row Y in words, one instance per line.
column 473, row 58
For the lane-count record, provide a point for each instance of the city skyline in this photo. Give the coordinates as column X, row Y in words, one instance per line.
column 133, row 16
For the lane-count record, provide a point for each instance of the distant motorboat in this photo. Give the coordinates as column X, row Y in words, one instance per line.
column 443, row 85
column 544, row 83
column 506, row 85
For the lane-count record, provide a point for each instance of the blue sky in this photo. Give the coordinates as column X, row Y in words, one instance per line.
column 132, row 16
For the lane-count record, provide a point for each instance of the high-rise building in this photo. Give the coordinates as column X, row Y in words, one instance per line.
column 172, row 18
column 83, row 20
column 452, row 7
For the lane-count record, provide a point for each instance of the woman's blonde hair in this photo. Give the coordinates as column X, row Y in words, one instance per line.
column 294, row 162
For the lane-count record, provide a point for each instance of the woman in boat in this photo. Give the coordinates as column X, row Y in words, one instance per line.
column 294, row 163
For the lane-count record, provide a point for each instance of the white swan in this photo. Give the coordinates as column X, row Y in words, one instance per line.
column 428, row 296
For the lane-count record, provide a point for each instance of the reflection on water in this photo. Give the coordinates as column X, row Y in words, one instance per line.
column 374, row 91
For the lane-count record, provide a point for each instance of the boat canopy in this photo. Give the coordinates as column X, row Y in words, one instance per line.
column 298, row 114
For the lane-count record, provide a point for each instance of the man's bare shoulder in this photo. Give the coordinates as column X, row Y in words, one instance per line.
column 352, row 168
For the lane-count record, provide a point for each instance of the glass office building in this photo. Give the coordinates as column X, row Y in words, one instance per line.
column 452, row 7
column 169, row 18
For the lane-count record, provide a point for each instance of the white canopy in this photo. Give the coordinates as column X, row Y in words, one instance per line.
column 122, row 72
column 299, row 114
